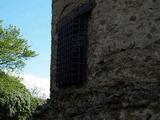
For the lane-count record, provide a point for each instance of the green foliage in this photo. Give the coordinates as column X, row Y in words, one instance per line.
column 35, row 101
column 16, row 102
column 14, row 49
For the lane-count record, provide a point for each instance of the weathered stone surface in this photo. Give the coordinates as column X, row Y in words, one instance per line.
column 118, row 25
column 123, row 63
column 127, row 88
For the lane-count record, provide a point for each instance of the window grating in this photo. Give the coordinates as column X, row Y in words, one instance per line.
column 72, row 47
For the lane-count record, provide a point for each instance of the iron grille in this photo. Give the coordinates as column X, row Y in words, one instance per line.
column 72, row 48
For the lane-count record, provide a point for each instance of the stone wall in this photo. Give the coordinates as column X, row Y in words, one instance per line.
column 119, row 25
column 123, row 63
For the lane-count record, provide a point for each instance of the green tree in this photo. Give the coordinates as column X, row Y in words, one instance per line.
column 14, row 49
column 16, row 101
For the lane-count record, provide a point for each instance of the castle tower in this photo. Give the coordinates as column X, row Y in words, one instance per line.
column 105, row 60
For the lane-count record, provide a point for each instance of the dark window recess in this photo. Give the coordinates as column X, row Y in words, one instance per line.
column 72, row 47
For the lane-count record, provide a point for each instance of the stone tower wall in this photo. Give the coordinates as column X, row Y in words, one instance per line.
column 114, row 25
column 123, row 62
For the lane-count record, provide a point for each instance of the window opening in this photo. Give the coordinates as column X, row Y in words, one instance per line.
column 72, row 47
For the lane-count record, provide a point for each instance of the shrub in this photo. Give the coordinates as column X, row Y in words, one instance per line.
column 16, row 102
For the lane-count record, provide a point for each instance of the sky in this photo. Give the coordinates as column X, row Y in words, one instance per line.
column 33, row 17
